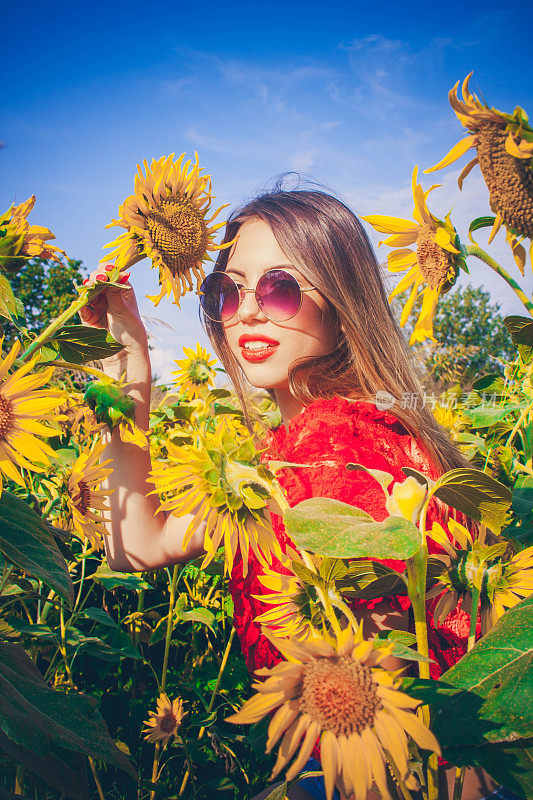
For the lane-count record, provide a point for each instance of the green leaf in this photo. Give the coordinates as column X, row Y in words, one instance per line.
column 99, row 615
column 493, row 381
column 521, row 332
column 26, row 541
column 331, row 528
column 79, row 343
column 63, row 770
column 366, row 580
column 476, row 494
column 383, row 478
column 496, row 676
column 479, row 223
column 199, row 614
column 9, row 305
column 430, row 692
column 110, row 579
column 39, row 719
column 483, row 416
column 510, row 765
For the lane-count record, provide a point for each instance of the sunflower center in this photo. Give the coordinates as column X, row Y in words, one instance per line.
column 340, row 695
column 6, row 416
column 169, row 722
column 433, row 260
column 83, row 500
column 199, row 371
column 178, row 231
column 509, row 179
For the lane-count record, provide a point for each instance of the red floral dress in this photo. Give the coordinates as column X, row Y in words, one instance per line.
column 339, row 431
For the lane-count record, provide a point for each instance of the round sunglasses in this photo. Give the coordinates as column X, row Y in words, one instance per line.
column 278, row 294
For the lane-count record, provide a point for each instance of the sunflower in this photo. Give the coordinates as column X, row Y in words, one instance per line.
column 19, row 240
column 505, row 581
column 24, row 406
column 436, row 261
column 296, row 609
column 166, row 220
column 214, row 479
column 335, row 689
column 195, row 372
column 164, row 723
column 85, row 497
column 504, row 152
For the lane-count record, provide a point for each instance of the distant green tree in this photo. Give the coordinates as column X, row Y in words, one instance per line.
column 45, row 289
column 472, row 339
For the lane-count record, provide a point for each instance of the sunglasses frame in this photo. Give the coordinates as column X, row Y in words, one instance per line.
column 242, row 291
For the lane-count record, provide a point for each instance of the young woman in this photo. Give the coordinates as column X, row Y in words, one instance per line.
column 297, row 307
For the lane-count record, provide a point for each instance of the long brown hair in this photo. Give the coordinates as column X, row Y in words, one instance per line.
column 329, row 246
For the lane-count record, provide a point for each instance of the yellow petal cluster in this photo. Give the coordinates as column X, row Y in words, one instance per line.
column 214, row 480
column 196, row 372
column 504, row 152
column 164, row 723
column 24, row 406
column 432, row 269
column 166, row 220
column 335, row 690
column 21, row 239
column 505, row 582
column 85, row 495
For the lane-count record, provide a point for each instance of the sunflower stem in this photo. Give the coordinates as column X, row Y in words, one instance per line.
column 163, row 684
column 458, row 783
column 473, row 617
column 346, row 610
column 211, row 702
column 54, row 326
column 416, row 590
column 478, row 252
column 516, row 428
column 78, row 367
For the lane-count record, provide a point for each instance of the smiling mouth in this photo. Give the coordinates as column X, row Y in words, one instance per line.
column 258, row 350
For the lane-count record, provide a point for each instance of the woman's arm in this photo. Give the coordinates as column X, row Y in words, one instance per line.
column 138, row 538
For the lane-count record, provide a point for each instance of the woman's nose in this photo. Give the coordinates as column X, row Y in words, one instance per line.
column 249, row 309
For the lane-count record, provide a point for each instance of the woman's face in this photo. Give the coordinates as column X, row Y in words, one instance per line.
column 307, row 334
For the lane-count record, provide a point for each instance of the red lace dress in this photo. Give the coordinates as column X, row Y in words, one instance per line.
column 340, row 431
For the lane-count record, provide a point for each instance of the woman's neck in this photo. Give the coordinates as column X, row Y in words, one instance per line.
column 288, row 405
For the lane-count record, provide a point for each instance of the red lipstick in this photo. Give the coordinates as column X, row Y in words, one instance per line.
column 257, row 353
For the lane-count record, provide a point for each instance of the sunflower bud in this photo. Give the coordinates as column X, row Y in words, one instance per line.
column 407, row 499
column 109, row 404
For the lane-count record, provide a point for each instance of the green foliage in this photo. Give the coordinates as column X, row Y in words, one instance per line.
column 27, row 541
column 471, row 337
column 331, row 528
column 45, row 289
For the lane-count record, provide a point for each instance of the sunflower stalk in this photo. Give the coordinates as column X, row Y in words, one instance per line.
column 416, row 590
column 211, row 702
column 54, row 326
column 458, row 782
column 478, row 252
column 164, row 670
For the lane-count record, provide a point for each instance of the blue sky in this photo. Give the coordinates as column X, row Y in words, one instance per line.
column 350, row 94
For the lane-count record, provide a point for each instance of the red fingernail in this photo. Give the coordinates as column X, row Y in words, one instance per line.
column 85, row 281
column 124, row 278
column 109, row 267
column 102, row 277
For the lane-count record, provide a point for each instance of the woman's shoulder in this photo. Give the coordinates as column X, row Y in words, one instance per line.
column 336, row 416
column 342, row 426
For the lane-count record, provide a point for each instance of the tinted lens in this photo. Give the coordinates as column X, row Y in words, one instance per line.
column 219, row 297
column 278, row 295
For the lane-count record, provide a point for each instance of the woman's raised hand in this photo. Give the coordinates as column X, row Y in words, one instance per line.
column 116, row 310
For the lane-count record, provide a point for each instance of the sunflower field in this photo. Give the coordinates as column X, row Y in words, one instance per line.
column 133, row 685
